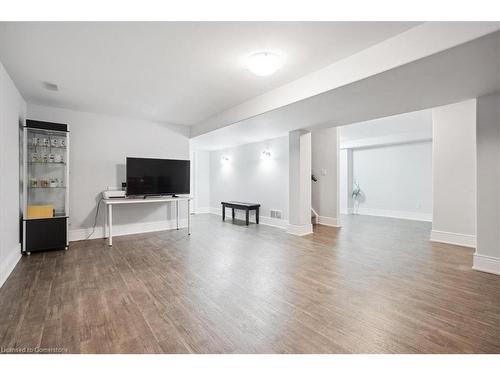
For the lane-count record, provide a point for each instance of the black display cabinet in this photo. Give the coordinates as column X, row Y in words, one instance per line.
column 45, row 193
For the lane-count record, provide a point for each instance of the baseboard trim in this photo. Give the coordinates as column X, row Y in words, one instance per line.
column 486, row 263
column 328, row 221
column 265, row 220
column 9, row 264
column 467, row 240
column 300, row 230
column 405, row 215
column 125, row 229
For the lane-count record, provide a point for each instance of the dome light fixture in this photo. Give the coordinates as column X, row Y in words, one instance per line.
column 263, row 63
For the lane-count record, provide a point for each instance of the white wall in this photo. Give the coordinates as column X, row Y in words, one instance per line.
column 395, row 180
column 325, row 166
column 99, row 147
column 392, row 161
column 487, row 256
column 454, row 173
column 249, row 178
column 12, row 115
column 200, row 163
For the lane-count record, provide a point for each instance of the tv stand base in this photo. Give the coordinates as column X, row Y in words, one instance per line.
column 108, row 221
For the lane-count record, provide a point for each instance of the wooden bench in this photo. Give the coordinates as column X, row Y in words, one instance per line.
column 241, row 206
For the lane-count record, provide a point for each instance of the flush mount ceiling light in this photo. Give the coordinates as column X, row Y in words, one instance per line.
column 263, row 63
column 266, row 154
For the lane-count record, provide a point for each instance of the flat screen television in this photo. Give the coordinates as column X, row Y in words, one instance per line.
column 157, row 176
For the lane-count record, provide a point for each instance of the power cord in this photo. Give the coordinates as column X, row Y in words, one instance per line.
column 95, row 218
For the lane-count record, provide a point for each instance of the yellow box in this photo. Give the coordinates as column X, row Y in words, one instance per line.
column 40, row 212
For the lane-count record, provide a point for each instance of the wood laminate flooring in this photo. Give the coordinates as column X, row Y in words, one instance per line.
column 375, row 285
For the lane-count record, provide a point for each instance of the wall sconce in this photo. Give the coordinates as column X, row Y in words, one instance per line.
column 266, row 154
column 224, row 159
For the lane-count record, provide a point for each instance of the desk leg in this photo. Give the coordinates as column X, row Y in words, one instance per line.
column 106, row 221
column 177, row 213
column 189, row 217
column 110, row 224
column 247, row 216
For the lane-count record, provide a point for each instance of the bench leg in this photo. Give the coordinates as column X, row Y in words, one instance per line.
column 247, row 216
column 232, row 212
column 223, row 212
column 257, row 216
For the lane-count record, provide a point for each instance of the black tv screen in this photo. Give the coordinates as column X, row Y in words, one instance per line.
column 157, row 176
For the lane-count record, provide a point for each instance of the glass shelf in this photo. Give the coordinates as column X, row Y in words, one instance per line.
column 45, row 146
column 47, row 162
column 56, row 216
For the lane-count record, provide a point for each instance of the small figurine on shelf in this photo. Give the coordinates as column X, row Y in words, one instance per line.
column 51, row 158
column 34, row 157
column 53, row 142
column 33, row 182
column 58, row 158
column 45, row 158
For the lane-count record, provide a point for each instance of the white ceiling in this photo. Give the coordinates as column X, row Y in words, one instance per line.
column 418, row 122
column 467, row 71
column 174, row 72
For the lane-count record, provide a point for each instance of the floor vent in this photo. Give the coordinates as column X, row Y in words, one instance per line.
column 275, row 214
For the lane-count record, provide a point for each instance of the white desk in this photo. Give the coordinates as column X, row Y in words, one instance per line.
column 108, row 222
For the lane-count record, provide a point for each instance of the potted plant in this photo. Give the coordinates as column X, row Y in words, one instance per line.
column 356, row 196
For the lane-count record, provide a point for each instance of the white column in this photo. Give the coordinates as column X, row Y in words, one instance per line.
column 299, row 183
column 487, row 256
column 350, row 181
column 454, row 174
column 325, row 166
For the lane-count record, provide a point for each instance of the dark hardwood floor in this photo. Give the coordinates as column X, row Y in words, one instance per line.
column 374, row 286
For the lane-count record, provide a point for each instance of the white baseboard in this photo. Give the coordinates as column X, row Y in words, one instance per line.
column 9, row 264
column 124, row 229
column 486, row 263
column 300, row 230
column 467, row 240
column 407, row 215
column 328, row 221
column 271, row 221
column 265, row 220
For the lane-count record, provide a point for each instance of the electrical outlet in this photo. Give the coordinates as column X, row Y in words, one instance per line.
column 275, row 214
